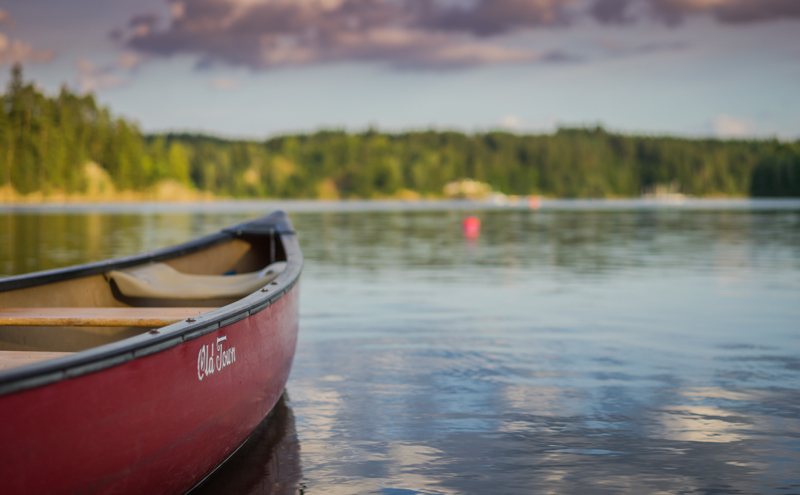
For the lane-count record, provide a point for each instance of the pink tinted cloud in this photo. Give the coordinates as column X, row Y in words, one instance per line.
column 271, row 33
column 432, row 34
column 224, row 83
column 17, row 51
column 92, row 77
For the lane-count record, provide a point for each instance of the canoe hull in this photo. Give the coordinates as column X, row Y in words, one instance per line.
column 157, row 424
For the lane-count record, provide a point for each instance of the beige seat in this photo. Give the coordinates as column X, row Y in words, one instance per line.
column 159, row 280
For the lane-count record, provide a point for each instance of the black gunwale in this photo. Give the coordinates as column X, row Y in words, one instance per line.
column 116, row 353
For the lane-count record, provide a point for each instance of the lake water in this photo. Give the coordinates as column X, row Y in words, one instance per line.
column 587, row 347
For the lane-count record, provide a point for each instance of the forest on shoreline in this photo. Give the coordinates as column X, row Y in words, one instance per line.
column 67, row 145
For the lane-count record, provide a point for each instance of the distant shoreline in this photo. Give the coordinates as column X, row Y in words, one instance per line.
column 88, row 154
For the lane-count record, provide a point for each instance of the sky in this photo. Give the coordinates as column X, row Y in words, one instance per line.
column 258, row 68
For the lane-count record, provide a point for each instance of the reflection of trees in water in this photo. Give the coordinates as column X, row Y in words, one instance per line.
column 41, row 241
column 268, row 464
column 583, row 241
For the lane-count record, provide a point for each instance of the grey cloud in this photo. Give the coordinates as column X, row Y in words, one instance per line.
column 493, row 17
column 615, row 48
column 284, row 32
column 147, row 20
column 653, row 47
column 559, row 56
column 116, row 34
column 403, row 33
column 744, row 11
column 611, row 11
column 727, row 11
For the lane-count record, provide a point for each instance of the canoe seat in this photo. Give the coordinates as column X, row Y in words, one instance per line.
column 161, row 281
column 96, row 317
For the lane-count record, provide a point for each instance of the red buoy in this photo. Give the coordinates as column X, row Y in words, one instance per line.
column 471, row 226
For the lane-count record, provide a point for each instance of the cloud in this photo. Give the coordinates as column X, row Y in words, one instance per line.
column 405, row 33
column 615, row 48
column 728, row 126
column 224, row 83
column 129, row 60
column 673, row 12
column 16, row 51
column 92, row 77
column 611, row 11
column 492, row 17
column 143, row 24
column 511, row 122
column 433, row 34
column 727, row 11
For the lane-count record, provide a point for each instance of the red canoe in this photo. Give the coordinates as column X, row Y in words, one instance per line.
column 143, row 374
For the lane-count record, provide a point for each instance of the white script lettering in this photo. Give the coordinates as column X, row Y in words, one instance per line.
column 214, row 358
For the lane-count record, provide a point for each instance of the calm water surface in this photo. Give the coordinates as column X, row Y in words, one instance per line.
column 572, row 350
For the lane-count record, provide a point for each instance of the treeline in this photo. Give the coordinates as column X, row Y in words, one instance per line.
column 46, row 141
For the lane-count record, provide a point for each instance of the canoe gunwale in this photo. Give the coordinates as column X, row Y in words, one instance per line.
column 106, row 356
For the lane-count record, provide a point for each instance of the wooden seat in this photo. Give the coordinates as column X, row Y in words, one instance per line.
column 96, row 317
column 12, row 359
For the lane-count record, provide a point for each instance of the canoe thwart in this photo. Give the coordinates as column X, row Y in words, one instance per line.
column 96, row 317
column 12, row 359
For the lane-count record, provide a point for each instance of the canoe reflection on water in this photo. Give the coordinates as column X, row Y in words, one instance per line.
column 267, row 464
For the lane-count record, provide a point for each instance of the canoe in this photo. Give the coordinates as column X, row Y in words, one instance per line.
column 143, row 374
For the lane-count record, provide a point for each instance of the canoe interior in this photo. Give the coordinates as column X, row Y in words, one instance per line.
column 50, row 319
